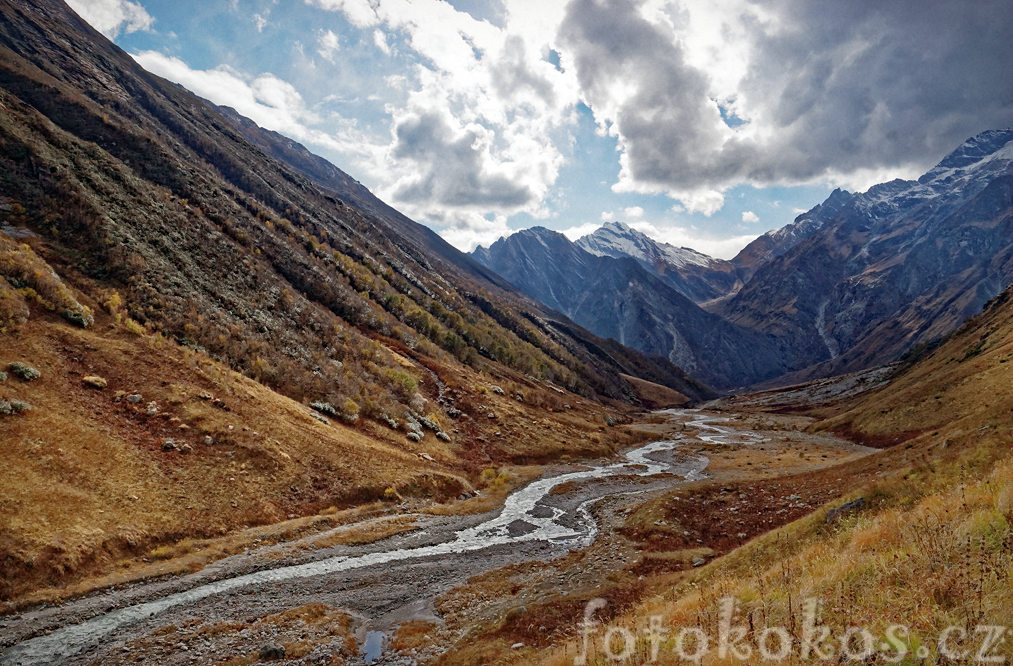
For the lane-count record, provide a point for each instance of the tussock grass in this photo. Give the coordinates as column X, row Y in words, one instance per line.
column 926, row 556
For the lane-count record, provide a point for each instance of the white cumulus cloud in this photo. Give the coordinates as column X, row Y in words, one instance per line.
column 111, row 17
column 328, row 45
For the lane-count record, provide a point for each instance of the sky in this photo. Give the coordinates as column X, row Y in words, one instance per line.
column 702, row 123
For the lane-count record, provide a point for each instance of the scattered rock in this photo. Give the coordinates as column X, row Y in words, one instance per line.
column 134, row 398
column 567, row 405
column 169, row 445
column 453, row 412
column 186, row 448
column 846, row 508
column 95, row 381
column 152, row 408
column 272, row 651
column 23, row 371
column 699, row 561
column 491, row 415
column 516, row 646
column 209, row 440
column 497, row 390
column 80, row 318
column 204, row 395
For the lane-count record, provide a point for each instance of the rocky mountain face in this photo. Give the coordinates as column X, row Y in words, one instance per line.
column 254, row 251
column 773, row 244
column 617, row 297
column 693, row 274
column 898, row 265
column 852, row 283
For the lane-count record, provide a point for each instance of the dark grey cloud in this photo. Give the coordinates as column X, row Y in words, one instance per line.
column 834, row 86
column 452, row 167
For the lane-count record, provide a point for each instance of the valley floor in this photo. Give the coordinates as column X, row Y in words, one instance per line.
column 420, row 587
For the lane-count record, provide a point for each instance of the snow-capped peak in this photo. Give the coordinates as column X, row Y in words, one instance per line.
column 616, row 239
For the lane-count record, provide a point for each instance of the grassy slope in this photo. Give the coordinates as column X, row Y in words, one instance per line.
column 132, row 200
column 933, row 548
column 84, row 481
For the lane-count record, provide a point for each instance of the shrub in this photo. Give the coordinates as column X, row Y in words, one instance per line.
column 12, row 407
column 430, row 422
column 24, row 371
column 324, row 408
column 133, row 327
column 350, row 410
column 3, row 376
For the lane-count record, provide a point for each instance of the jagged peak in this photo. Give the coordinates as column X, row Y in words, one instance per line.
column 976, row 148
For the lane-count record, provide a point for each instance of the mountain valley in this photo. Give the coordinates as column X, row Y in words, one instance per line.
column 250, row 413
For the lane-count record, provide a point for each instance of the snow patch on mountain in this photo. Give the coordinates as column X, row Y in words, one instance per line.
column 616, row 239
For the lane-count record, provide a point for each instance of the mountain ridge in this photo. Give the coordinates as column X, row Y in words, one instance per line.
column 851, row 283
column 620, row 299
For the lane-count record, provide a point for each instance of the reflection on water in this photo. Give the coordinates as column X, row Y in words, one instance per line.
column 373, row 647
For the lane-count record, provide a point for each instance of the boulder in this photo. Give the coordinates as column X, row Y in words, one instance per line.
column 95, row 381
column 844, row 509
column 272, row 651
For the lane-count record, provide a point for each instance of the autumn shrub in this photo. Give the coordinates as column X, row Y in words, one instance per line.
column 36, row 281
column 349, row 411
column 13, row 309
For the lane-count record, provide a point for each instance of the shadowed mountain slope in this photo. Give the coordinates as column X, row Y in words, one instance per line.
column 618, row 298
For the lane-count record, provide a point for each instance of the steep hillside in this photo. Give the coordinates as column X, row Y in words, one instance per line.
column 901, row 264
column 618, row 298
column 153, row 193
column 773, row 244
column 224, row 343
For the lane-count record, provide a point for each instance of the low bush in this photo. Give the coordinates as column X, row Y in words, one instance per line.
column 23, row 371
column 12, row 407
column 324, row 408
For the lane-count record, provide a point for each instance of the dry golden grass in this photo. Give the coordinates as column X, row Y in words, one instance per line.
column 369, row 532
column 656, row 396
column 86, row 490
column 414, row 634
column 933, row 547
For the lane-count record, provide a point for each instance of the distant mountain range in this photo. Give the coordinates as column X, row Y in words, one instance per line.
column 618, row 297
column 851, row 283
